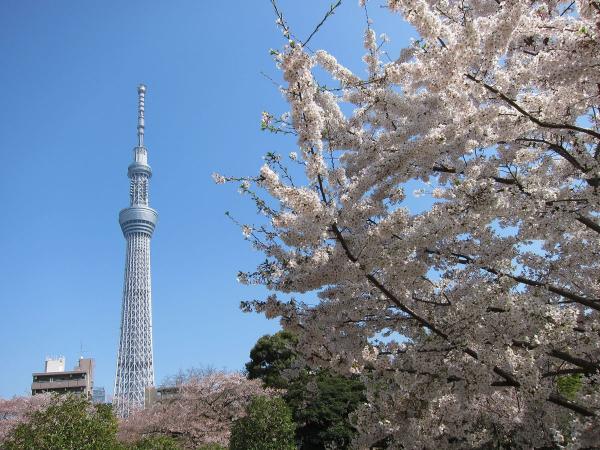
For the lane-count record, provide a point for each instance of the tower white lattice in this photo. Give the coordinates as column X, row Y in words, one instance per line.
column 135, row 363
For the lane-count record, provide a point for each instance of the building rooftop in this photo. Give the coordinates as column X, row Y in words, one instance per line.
column 78, row 380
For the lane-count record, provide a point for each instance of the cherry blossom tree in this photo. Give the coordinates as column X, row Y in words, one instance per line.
column 18, row 410
column 464, row 320
column 201, row 409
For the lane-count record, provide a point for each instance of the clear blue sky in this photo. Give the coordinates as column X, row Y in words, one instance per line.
column 67, row 127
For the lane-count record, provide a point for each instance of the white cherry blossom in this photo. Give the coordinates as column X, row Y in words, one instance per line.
column 475, row 322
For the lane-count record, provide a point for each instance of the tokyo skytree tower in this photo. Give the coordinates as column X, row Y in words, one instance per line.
column 135, row 364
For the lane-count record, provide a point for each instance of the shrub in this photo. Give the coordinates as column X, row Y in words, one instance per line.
column 268, row 425
column 68, row 423
column 211, row 447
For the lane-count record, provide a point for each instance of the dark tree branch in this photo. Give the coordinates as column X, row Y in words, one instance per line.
column 588, row 223
column 561, row 401
column 561, row 372
column 532, row 118
column 452, row 170
column 560, row 150
column 588, row 366
column 332, row 8
column 512, row 181
column 465, row 259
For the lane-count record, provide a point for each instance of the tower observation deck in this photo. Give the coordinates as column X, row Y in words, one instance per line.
column 135, row 362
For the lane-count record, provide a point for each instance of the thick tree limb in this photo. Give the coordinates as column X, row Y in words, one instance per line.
column 588, row 366
column 452, row 170
column 511, row 181
column 562, row 372
column 424, row 322
column 532, row 118
column 466, row 259
column 561, row 401
column 588, row 223
column 560, row 150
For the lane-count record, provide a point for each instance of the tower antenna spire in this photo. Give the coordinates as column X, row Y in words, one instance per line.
column 140, row 126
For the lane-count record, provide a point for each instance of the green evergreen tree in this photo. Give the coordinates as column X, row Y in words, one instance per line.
column 159, row 442
column 268, row 425
column 320, row 413
column 270, row 356
column 69, row 423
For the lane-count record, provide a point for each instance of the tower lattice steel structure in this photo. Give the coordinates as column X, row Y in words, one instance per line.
column 135, row 364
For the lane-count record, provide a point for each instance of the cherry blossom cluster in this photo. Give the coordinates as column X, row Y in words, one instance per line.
column 198, row 408
column 475, row 322
column 18, row 410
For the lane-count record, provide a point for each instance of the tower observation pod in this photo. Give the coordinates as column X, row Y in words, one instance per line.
column 135, row 362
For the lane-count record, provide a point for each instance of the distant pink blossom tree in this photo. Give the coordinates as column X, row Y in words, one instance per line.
column 17, row 410
column 201, row 409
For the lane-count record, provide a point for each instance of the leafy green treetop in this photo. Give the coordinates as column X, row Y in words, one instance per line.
column 68, row 423
column 158, row 442
column 212, row 446
column 321, row 402
column 270, row 356
column 268, row 425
